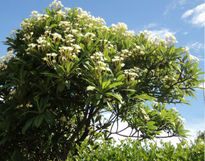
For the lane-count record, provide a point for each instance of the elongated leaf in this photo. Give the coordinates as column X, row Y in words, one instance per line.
column 38, row 120
column 113, row 85
column 144, row 97
column 27, row 125
column 50, row 75
column 115, row 95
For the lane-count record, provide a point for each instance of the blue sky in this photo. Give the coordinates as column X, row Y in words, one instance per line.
column 185, row 19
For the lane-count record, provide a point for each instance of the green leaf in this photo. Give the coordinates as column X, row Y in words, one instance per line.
column 113, row 85
column 90, row 88
column 60, row 87
column 50, row 74
column 120, row 77
column 38, row 120
column 27, row 125
column 105, row 84
column 144, row 97
column 115, row 95
column 151, row 125
column 49, row 118
column 69, row 66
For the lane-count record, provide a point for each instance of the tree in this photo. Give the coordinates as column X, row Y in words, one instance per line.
column 71, row 78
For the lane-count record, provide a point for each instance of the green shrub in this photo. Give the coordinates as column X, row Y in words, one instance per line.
column 129, row 150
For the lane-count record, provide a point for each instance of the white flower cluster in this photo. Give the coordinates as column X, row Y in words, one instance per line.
column 132, row 73
column 26, row 25
column 50, row 58
column 56, row 5
column 56, row 37
column 5, row 59
column 69, row 52
column 170, row 40
column 38, row 17
column 119, row 26
column 91, row 20
column 28, row 37
column 146, row 34
column 65, row 25
column 89, row 36
column 43, row 44
column 99, row 59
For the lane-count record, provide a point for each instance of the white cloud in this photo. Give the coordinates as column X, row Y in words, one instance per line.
column 196, row 14
column 187, row 13
column 162, row 33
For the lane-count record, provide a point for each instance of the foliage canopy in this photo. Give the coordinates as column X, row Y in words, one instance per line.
column 71, row 78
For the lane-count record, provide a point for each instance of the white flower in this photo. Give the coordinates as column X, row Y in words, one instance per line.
column 187, row 49
column 142, row 52
column 193, row 58
column 174, row 109
column 104, row 28
column 182, row 119
column 34, row 14
column 138, row 47
column 123, row 64
column 26, row 24
column 67, row 10
column 69, row 36
column 61, row 13
column 130, row 33
column 100, row 20
column 76, row 47
column 125, row 51
column 66, row 49
column 42, row 40
column 64, row 24
column 56, row 36
column 51, row 54
column 74, row 31
column 89, row 35
column 32, row 46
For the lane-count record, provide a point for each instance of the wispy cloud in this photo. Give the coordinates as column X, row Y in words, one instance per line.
column 195, row 47
column 173, row 5
column 182, row 2
column 196, row 15
column 150, row 25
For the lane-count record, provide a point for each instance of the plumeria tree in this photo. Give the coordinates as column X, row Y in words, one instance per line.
column 68, row 77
